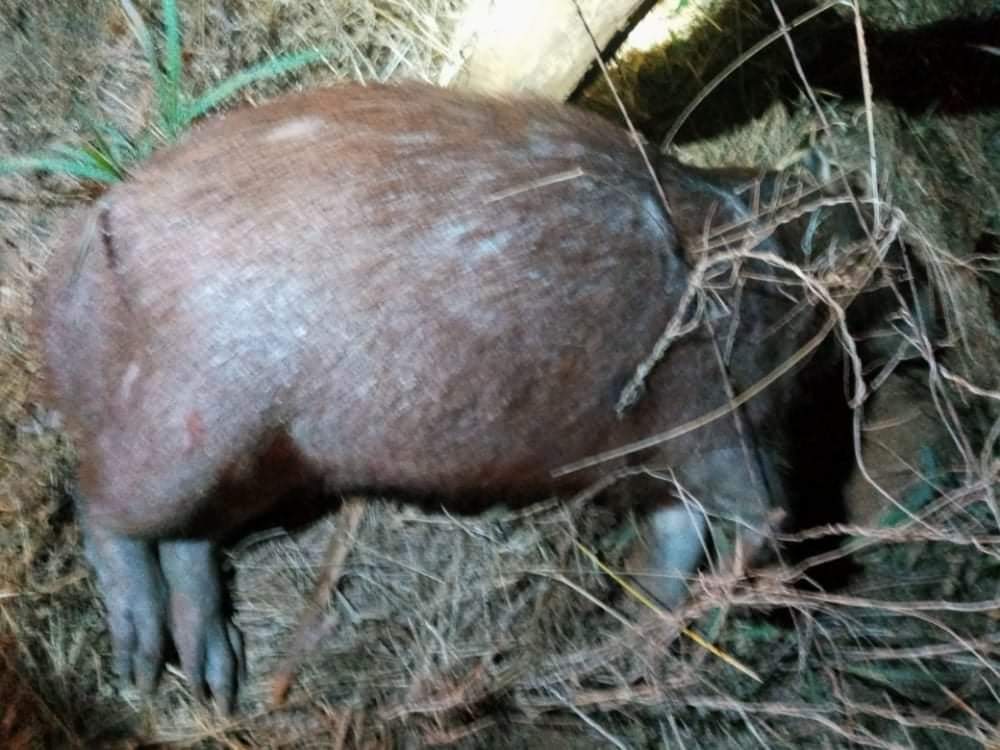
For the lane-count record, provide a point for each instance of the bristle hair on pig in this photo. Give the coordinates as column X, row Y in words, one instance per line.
column 407, row 291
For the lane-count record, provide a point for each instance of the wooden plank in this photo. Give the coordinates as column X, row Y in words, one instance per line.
column 534, row 46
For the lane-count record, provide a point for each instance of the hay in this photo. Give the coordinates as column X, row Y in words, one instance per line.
column 497, row 631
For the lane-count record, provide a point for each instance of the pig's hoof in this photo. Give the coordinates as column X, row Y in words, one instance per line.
column 209, row 646
column 137, row 620
column 210, row 650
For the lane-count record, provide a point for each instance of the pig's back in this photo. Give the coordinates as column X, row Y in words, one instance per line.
column 424, row 290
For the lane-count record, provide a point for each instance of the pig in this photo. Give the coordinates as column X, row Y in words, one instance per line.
column 407, row 291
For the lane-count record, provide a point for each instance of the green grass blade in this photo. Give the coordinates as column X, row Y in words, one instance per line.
column 170, row 107
column 86, row 154
column 97, row 153
column 103, row 159
column 62, row 150
column 272, row 68
column 106, row 143
column 109, row 141
column 115, row 144
column 82, row 167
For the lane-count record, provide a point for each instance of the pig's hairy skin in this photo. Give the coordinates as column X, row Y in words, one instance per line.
column 388, row 289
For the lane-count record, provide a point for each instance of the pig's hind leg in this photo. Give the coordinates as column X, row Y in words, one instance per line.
column 150, row 588
column 157, row 585
column 135, row 597
column 209, row 646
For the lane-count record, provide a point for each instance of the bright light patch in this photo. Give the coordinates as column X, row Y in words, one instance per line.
column 668, row 20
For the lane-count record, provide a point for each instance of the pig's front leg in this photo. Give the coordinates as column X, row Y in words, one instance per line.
column 743, row 484
column 208, row 644
column 672, row 547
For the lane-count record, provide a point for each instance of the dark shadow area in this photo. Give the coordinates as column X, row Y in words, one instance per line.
column 988, row 248
column 950, row 67
column 29, row 701
column 821, row 461
column 823, row 455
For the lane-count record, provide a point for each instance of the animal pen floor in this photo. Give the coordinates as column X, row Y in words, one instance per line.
column 498, row 631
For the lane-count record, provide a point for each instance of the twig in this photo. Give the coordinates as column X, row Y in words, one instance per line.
column 313, row 626
column 588, row 721
column 640, row 142
column 653, row 606
column 866, row 89
column 735, row 65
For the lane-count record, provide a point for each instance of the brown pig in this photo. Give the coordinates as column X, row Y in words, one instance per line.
column 401, row 290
